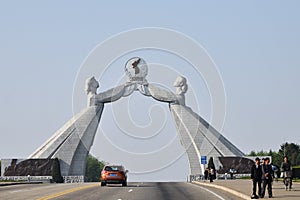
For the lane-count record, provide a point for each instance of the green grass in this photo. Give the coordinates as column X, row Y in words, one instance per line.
column 294, row 179
column 279, row 179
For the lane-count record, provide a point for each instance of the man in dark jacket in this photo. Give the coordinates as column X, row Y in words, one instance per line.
column 286, row 169
column 267, row 178
column 256, row 174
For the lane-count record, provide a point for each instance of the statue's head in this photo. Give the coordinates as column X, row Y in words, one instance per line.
column 181, row 85
column 91, row 85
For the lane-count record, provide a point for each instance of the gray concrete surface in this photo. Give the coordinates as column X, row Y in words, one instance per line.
column 243, row 188
column 134, row 191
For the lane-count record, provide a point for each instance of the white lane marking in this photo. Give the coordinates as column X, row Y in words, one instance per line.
column 212, row 192
column 15, row 191
column 130, row 190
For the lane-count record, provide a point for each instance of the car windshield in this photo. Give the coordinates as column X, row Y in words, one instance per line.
column 113, row 168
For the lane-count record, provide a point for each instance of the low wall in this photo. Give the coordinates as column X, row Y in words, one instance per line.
column 73, row 179
column 46, row 179
column 26, row 178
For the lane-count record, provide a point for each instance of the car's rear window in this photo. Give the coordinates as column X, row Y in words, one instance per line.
column 113, row 168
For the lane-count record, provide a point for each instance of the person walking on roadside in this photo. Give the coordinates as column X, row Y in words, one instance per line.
column 211, row 174
column 256, row 174
column 267, row 179
column 286, row 169
column 206, row 173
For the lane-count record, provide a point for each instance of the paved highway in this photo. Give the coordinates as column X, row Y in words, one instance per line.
column 134, row 191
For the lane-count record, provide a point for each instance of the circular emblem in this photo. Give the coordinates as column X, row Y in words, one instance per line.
column 136, row 70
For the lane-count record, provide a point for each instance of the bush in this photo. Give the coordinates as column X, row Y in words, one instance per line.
column 296, row 172
column 211, row 163
column 93, row 169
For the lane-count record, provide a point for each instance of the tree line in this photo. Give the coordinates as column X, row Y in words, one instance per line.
column 291, row 150
column 93, row 169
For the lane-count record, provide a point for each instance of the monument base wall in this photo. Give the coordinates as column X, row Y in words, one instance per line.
column 25, row 167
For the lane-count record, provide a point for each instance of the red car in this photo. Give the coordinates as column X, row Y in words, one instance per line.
column 114, row 174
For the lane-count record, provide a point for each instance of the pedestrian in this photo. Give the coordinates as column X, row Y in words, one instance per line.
column 256, row 174
column 267, row 179
column 206, row 174
column 262, row 161
column 286, row 169
column 231, row 173
column 211, row 174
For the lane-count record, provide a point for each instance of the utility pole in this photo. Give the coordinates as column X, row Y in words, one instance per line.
column 284, row 146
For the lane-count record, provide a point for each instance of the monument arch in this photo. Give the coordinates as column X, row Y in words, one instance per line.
column 71, row 144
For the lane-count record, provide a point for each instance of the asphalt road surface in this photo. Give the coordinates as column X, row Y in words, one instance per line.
column 134, row 191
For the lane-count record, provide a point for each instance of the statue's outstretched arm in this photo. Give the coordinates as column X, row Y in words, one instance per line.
column 110, row 95
column 162, row 94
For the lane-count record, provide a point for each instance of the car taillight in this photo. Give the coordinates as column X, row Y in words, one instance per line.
column 104, row 172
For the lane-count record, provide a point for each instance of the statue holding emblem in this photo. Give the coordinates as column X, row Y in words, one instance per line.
column 136, row 71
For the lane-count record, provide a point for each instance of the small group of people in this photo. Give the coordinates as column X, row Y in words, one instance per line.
column 210, row 173
column 262, row 176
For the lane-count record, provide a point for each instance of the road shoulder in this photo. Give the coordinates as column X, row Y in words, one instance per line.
column 234, row 192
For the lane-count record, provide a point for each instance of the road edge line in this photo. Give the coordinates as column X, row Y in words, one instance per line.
column 234, row 192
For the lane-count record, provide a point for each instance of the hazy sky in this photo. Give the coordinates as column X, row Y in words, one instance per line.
column 254, row 44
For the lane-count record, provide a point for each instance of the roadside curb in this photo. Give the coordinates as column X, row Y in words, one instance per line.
column 18, row 183
column 236, row 193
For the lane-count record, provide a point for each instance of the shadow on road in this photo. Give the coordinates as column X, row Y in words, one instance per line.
column 130, row 185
